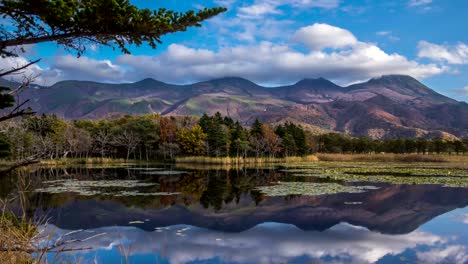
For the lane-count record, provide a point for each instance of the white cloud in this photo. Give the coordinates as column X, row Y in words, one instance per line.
column 449, row 254
column 71, row 68
column 225, row 3
column 457, row 54
column 271, row 63
column 320, row 36
column 327, row 4
column 419, row 2
column 267, row 63
column 343, row 243
column 31, row 72
column 258, row 10
column 387, row 34
column 383, row 33
column 465, row 92
column 263, row 8
column 354, row 10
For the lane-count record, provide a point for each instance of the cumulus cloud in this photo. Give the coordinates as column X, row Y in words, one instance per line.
column 349, row 61
column 333, row 53
column 320, row 36
column 456, row 54
column 82, row 68
column 31, row 72
column 271, row 63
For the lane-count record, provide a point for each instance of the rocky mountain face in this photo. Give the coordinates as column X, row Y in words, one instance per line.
column 384, row 107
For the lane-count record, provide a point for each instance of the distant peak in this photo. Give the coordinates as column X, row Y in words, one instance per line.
column 321, row 81
column 394, row 77
column 148, row 80
column 232, row 80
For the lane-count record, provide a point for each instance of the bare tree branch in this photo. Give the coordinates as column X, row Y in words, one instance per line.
column 16, row 70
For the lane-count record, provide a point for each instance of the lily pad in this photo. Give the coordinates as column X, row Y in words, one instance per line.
column 89, row 188
column 124, row 193
column 446, row 176
column 311, row 189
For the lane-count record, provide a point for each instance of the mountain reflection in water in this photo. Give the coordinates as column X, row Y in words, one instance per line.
column 218, row 217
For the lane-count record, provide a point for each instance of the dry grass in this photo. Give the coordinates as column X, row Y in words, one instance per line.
column 67, row 161
column 390, row 157
column 229, row 160
column 16, row 239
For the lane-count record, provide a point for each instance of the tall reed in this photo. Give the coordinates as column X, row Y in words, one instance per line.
column 249, row 160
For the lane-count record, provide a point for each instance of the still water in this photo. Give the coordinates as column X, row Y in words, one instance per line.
column 163, row 214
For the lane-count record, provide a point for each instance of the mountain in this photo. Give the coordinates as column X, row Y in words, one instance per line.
column 383, row 107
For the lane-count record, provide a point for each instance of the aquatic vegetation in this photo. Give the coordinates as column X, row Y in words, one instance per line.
column 136, row 193
column 90, row 188
column 311, row 189
column 135, row 222
column 446, row 176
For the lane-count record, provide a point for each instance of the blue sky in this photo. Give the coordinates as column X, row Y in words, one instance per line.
column 275, row 42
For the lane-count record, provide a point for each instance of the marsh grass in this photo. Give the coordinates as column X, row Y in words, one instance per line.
column 233, row 160
column 16, row 239
column 390, row 157
column 68, row 161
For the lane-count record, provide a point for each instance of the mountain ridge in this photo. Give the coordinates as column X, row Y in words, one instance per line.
column 383, row 107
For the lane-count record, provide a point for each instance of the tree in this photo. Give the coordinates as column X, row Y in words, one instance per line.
column 239, row 141
column 129, row 140
column 75, row 24
column 289, row 145
column 256, row 130
column 272, row 141
column 4, row 146
column 191, row 141
column 297, row 133
column 218, row 135
column 167, row 130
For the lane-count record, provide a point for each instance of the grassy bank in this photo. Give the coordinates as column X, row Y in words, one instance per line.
column 229, row 160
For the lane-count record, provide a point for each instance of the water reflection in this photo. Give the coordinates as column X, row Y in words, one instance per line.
column 219, row 217
column 277, row 243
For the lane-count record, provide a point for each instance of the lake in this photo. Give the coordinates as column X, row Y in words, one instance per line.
column 157, row 213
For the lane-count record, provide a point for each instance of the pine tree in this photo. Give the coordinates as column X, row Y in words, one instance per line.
column 256, row 130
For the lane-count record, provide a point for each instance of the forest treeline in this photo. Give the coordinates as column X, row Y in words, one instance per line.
column 149, row 137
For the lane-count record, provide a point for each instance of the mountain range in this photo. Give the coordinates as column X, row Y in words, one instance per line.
column 384, row 107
